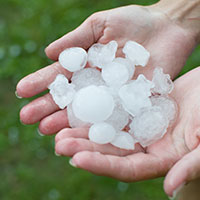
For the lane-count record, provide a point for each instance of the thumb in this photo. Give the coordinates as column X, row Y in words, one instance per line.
column 185, row 170
column 84, row 36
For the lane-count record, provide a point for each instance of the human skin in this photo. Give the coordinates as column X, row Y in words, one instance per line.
column 169, row 39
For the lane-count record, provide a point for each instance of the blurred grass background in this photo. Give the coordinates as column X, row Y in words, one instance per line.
column 29, row 170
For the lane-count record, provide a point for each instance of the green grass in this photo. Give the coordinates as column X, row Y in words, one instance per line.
column 28, row 167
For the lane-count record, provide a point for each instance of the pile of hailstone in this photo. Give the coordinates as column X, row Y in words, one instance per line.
column 104, row 97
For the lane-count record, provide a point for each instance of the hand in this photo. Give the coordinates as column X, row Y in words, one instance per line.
column 177, row 152
column 168, row 43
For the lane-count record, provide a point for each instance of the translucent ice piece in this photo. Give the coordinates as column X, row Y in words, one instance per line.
column 102, row 133
column 124, row 140
column 135, row 95
column 119, row 118
column 74, row 122
column 136, row 53
column 62, row 92
column 86, row 77
column 73, row 59
column 101, row 54
column 163, row 83
column 93, row 104
column 149, row 126
column 167, row 105
column 115, row 74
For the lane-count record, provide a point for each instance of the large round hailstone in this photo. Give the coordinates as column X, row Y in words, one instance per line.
column 115, row 74
column 93, row 104
column 124, row 140
column 149, row 126
column 73, row 59
column 86, row 77
column 101, row 133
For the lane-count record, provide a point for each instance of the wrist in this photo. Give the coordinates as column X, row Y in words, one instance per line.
column 185, row 13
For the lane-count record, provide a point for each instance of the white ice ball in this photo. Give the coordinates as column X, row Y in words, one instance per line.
column 102, row 133
column 136, row 53
column 149, row 126
column 73, row 59
column 115, row 74
column 124, row 140
column 93, row 104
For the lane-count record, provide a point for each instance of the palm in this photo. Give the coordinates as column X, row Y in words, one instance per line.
column 142, row 24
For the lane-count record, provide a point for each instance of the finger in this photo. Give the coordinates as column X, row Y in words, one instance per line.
column 38, row 109
column 185, row 170
column 54, row 122
column 38, row 81
column 135, row 167
column 69, row 132
column 84, row 36
column 71, row 146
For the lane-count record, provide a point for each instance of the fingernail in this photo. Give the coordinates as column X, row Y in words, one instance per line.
column 72, row 163
column 41, row 134
column 17, row 95
column 57, row 154
column 176, row 191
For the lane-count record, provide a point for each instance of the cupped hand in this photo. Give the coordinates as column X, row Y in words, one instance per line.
column 168, row 43
column 176, row 154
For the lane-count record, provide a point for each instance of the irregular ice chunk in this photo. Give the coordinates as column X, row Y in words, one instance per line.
column 128, row 64
column 119, row 118
column 135, row 95
column 136, row 53
column 73, row 59
column 149, row 126
column 163, row 83
column 93, row 104
column 115, row 74
column 74, row 122
column 124, row 140
column 167, row 105
column 86, row 77
column 102, row 133
column 62, row 92
column 101, row 54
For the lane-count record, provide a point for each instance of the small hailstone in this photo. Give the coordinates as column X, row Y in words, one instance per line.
column 163, row 83
column 73, row 59
column 74, row 122
column 93, row 104
column 136, row 53
column 149, row 126
column 128, row 64
column 124, row 140
column 119, row 118
column 167, row 105
column 86, row 77
column 101, row 54
column 102, row 133
column 135, row 95
column 62, row 92
column 115, row 74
